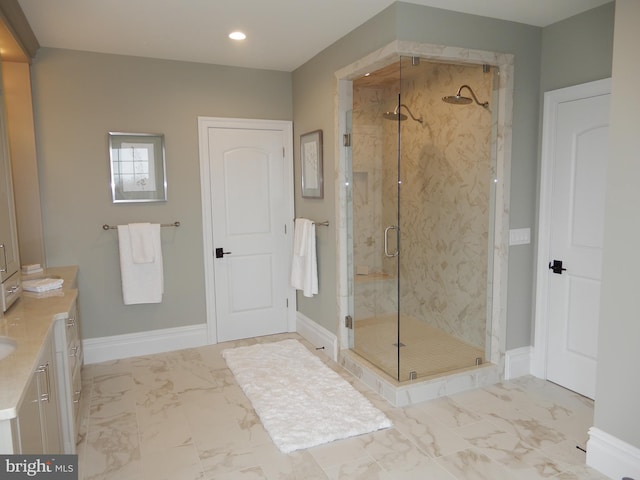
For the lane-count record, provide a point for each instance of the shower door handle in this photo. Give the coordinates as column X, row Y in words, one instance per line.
column 386, row 241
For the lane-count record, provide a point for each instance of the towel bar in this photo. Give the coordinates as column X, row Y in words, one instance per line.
column 322, row 224
column 114, row 227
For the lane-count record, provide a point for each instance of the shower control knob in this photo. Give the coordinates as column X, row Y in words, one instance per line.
column 221, row 253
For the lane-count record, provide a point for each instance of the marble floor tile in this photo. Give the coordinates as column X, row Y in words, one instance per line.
column 528, row 429
column 446, row 411
column 181, row 462
column 251, row 473
column 566, row 454
column 277, row 465
column 509, row 451
column 581, row 473
column 167, row 430
column 474, row 465
column 362, row 468
column 427, row 433
column 182, row 416
column 339, row 453
column 400, row 458
column 112, row 452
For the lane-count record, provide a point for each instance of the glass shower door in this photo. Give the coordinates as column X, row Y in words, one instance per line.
column 374, row 222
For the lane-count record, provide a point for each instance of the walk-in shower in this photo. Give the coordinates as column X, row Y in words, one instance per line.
column 420, row 213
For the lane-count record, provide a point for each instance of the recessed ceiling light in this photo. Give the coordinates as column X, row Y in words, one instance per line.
column 237, row 36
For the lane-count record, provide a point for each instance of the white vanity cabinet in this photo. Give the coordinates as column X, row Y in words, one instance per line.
column 69, row 359
column 37, row 426
column 40, row 384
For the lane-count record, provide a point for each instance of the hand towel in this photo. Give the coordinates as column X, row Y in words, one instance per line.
column 42, row 284
column 141, row 282
column 304, row 264
column 142, row 249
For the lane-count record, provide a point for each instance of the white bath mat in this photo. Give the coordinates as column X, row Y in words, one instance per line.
column 300, row 401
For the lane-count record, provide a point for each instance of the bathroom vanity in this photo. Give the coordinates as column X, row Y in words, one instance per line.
column 40, row 383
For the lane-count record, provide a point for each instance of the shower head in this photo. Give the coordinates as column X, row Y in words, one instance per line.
column 396, row 115
column 458, row 99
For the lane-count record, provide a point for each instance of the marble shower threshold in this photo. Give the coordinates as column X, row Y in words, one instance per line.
column 401, row 394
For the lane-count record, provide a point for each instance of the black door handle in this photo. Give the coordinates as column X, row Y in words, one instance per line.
column 221, row 253
column 556, row 266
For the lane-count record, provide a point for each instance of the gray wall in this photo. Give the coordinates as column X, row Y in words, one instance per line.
column 78, row 98
column 314, row 89
column 578, row 50
column 618, row 387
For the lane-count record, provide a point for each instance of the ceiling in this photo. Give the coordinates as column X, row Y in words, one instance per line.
column 281, row 34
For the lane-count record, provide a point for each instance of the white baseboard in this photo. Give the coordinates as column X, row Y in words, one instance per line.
column 103, row 349
column 611, row 456
column 517, row 362
column 317, row 335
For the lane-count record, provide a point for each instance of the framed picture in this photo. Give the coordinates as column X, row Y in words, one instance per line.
column 137, row 167
column 311, row 160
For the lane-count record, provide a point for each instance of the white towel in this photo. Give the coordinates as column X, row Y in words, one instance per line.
column 42, row 284
column 142, row 244
column 141, row 282
column 304, row 264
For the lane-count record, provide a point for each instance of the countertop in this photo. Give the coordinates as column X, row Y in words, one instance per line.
column 28, row 321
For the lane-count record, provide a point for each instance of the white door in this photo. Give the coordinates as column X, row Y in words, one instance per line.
column 251, row 219
column 577, row 150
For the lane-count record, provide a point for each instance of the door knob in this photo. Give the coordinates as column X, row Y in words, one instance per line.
column 556, row 266
column 221, row 253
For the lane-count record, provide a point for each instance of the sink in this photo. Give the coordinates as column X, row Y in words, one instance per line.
column 7, row 346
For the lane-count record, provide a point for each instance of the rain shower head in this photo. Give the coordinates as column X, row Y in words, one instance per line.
column 396, row 115
column 458, row 99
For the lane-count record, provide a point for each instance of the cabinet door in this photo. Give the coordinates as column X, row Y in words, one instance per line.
column 69, row 359
column 28, row 421
column 49, row 406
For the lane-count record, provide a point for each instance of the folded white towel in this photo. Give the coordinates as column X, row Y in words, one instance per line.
column 42, row 284
column 141, row 282
column 304, row 264
column 32, row 268
column 141, row 236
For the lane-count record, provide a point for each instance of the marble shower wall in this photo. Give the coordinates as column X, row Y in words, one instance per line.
column 444, row 197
